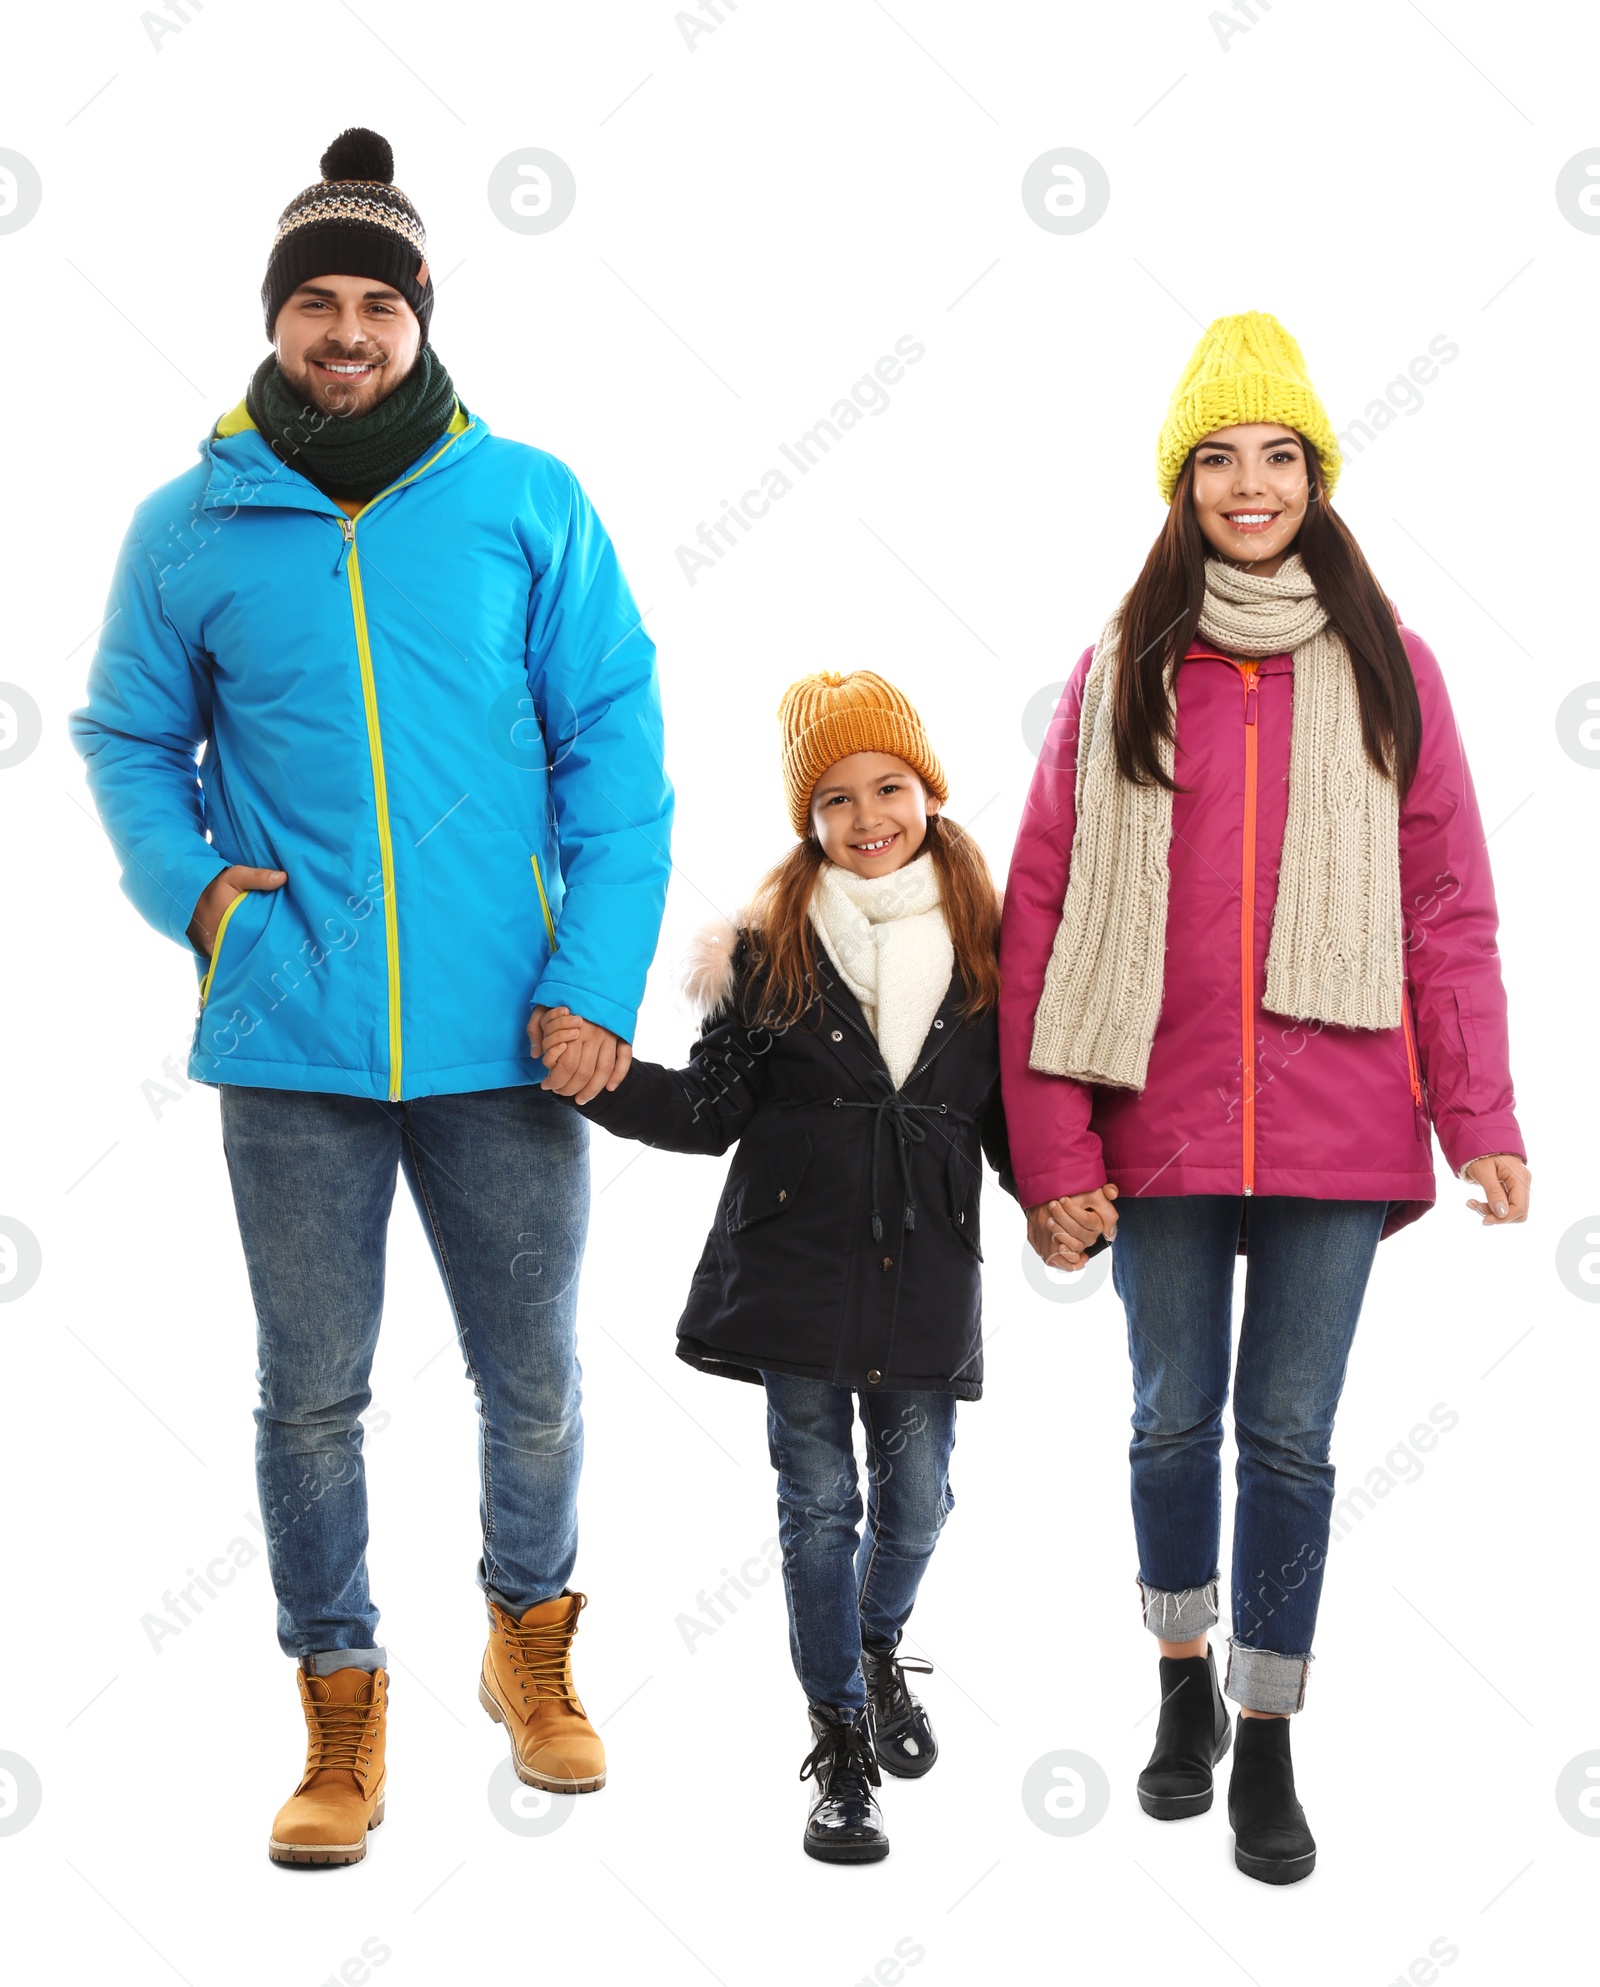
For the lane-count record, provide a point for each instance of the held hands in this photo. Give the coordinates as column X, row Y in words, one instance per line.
column 580, row 1057
column 1503, row 1181
column 1062, row 1231
column 219, row 893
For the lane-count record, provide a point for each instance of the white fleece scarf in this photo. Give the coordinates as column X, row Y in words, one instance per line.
column 1336, row 952
column 888, row 938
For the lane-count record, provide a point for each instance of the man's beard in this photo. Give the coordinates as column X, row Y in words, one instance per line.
column 348, row 400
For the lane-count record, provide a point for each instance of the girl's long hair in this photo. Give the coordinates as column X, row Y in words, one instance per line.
column 782, row 982
column 1161, row 617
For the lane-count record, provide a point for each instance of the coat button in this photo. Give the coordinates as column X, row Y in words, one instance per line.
column 873, row 1376
column 961, row 1218
column 938, row 1024
column 838, row 1034
column 888, row 1262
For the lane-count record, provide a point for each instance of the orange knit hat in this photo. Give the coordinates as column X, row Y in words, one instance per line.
column 828, row 716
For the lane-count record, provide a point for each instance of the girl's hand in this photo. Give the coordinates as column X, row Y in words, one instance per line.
column 580, row 1057
column 1084, row 1218
column 1504, row 1181
column 560, row 1028
column 1049, row 1243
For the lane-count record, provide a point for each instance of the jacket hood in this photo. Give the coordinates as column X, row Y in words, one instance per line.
column 707, row 977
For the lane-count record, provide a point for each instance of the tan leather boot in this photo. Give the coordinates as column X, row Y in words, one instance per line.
column 527, row 1687
column 326, row 1818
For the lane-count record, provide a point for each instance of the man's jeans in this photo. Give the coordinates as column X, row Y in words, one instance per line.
column 501, row 1180
column 1306, row 1274
column 842, row 1589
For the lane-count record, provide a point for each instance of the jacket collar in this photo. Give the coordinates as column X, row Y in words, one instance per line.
column 859, row 1043
column 1200, row 650
column 243, row 469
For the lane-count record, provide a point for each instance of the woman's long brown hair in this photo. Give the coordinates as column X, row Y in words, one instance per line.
column 782, row 985
column 1162, row 617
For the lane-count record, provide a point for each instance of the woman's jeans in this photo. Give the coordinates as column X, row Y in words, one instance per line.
column 501, row 1180
column 843, row 1589
column 1306, row 1274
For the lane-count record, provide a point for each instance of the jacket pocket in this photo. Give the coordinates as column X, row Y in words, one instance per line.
column 766, row 1183
column 544, row 903
column 1469, row 1039
column 217, row 944
column 964, row 1180
column 231, row 1007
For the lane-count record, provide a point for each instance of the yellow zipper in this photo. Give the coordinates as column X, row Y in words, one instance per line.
column 380, row 788
column 216, row 946
column 544, row 904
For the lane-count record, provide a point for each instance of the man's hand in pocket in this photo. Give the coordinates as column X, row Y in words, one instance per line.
column 219, row 893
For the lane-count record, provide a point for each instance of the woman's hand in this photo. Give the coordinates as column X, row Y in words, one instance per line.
column 1504, row 1181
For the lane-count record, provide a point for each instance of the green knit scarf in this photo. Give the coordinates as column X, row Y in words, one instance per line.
column 361, row 454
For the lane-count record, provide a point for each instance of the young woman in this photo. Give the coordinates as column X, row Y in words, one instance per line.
column 848, row 1042
column 1248, row 955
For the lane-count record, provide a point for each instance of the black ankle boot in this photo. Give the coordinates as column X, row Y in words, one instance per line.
column 1271, row 1840
column 901, row 1735
column 1191, row 1736
column 844, row 1825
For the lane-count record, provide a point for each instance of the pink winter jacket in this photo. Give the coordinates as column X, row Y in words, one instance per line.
column 1279, row 1107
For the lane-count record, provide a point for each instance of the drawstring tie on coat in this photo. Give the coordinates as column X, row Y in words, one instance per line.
column 907, row 1132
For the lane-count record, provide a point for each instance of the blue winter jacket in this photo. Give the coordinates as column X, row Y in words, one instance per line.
column 441, row 719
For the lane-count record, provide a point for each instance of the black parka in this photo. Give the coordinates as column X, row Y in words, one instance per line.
column 845, row 1246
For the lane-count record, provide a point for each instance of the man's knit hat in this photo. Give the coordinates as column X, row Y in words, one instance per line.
column 353, row 222
column 1244, row 369
column 828, row 716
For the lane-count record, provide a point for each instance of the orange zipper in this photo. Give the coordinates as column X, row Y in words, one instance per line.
column 1411, row 1064
column 1411, row 1049
column 1247, row 930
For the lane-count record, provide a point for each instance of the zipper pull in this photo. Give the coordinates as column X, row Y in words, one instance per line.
column 1250, row 696
column 347, row 529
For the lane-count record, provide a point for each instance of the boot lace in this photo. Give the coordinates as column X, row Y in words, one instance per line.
column 843, row 1752
column 539, row 1651
column 892, row 1693
column 340, row 1737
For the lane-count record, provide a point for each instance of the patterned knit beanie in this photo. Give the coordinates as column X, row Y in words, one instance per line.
column 828, row 716
column 1244, row 369
column 354, row 222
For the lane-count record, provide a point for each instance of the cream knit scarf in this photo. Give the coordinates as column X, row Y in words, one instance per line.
column 1336, row 950
column 888, row 938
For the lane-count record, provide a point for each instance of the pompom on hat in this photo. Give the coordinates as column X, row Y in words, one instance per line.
column 353, row 222
column 828, row 716
column 1244, row 369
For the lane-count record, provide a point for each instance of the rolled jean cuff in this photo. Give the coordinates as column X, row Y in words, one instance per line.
column 1262, row 1680
column 1179, row 1617
column 326, row 1661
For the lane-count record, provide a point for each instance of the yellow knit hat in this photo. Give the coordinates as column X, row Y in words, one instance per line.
column 1244, row 369
column 828, row 716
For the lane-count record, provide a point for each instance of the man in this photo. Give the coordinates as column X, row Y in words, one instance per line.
column 374, row 726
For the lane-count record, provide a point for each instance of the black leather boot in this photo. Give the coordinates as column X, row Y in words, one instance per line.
column 844, row 1825
column 1191, row 1736
column 1271, row 1840
column 901, row 1735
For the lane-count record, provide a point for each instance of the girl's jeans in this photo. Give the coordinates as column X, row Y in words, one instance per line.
column 843, row 1589
column 1306, row 1273
column 501, row 1181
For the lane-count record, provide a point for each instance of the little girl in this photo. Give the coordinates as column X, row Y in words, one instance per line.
column 848, row 1044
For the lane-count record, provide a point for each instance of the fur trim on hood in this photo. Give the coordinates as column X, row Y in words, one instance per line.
column 707, row 980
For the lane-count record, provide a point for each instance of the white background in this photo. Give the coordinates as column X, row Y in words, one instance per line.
column 758, row 219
